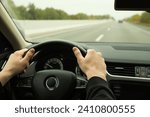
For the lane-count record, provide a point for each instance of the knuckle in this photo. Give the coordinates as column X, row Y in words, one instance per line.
column 16, row 52
column 103, row 59
column 100, row 54
column 11, row 55
column 91, row 51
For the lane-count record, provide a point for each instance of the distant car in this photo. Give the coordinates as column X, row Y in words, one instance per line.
column 120, row 21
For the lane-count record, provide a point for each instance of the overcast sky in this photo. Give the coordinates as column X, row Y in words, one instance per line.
column 95, row 7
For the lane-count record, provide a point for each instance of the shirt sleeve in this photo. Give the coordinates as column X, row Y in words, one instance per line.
column 98, row 89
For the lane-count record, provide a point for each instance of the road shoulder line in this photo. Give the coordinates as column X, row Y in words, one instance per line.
column 99, row 38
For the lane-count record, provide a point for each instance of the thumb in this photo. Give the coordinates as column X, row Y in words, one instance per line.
column 78, row 54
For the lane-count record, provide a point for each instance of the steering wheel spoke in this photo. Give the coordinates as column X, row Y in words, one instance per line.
column 81, row 82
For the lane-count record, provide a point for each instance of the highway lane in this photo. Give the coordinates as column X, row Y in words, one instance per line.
column 127, row 33
column 39, row 28
column 105, row 32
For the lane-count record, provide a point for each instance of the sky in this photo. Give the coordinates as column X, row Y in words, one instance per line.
column 90, row 7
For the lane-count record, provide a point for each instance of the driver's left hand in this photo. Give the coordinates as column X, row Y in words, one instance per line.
column 17, row 63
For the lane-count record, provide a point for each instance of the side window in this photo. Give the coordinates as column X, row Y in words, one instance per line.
column 5, row 50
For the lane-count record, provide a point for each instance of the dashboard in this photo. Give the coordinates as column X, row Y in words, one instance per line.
column 128, row 69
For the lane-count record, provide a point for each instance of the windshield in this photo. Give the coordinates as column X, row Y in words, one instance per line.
column 78, row 20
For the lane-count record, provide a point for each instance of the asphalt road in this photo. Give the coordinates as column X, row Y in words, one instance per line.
column 105, row 32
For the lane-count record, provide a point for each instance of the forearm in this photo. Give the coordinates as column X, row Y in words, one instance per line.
column 5, row 76
column 98, row 89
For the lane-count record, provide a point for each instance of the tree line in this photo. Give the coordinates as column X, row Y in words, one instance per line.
column 31, row 12
column 143, row 18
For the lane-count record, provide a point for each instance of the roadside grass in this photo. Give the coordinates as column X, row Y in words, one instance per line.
column 144, row 24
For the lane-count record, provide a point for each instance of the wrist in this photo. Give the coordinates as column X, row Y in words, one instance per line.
column 7, row 73
column 5, row 76
column 96, row 74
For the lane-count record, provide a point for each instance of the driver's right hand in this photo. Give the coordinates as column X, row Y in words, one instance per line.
column 92, row 64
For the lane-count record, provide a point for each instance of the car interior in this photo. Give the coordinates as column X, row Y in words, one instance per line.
column 128, row 64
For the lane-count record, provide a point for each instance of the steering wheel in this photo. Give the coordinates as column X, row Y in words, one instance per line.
column 56, row 84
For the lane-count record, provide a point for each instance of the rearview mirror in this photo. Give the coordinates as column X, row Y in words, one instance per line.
column 132, row 5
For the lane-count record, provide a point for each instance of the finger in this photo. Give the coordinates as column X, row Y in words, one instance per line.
column 99, row 53
column 26, row 68
column 78, row 54
column 91, row 51
column 29, row 54
column 21, row 52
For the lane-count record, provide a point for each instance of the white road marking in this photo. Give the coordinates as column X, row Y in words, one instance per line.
column 99, row 38
column 108, row 29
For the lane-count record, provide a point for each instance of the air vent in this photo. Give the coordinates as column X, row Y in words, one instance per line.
column 116, row 88
column 121, row 69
